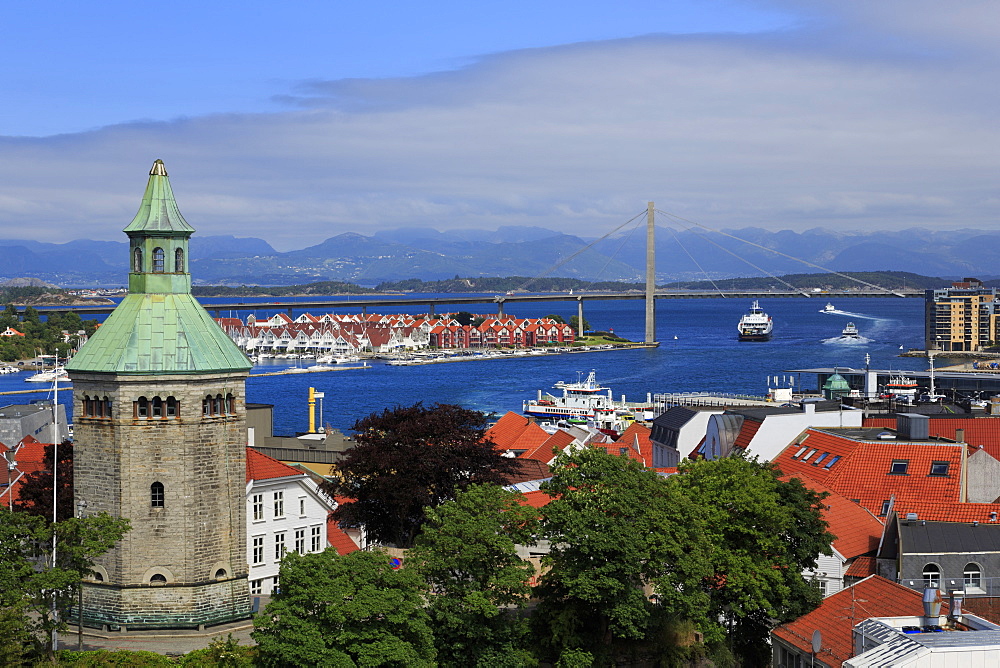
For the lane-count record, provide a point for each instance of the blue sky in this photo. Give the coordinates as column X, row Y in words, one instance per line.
column 298, row 121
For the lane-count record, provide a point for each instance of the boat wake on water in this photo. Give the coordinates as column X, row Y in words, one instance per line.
column 847, row 341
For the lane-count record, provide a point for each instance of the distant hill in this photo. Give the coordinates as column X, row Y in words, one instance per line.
column 890, row 280
column 689, row 255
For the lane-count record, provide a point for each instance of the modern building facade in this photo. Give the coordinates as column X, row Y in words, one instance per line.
column 963, row 317
column 160, row 432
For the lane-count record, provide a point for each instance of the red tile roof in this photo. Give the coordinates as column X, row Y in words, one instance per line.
column 861, row 567
column 557, row 441
column 857, row 530
column 338, row 539
column 862, row 473
column 536, row 499
column 262, row 467
column 747, row 431
column 836, row 616
column 527, row 469
column 981, row 430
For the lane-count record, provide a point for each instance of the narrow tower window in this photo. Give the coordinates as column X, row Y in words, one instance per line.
column 142, row 408
column 157, row 407
column 137, row 260
column 158, row 260
column 179, row 260
column 156, row 495
column 173, row 408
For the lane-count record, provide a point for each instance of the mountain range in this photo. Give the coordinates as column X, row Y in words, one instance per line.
column 527, row 251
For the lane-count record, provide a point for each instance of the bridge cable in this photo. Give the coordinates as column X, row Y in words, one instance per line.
column 760, row 269
column 618, row 250
column 696, row 263
column 577, row 252
column 785, row 255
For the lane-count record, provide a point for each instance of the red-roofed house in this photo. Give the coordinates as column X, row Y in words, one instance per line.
column 10, row 331
column 285, row 513
column 835, row 619
column 876, row 473
column 29, row 455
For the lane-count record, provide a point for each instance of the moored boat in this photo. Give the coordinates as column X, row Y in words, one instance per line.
column 587, row 401
column 755, row 325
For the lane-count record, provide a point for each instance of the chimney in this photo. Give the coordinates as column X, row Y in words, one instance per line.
column 960, row 435
column 955, row 600
column 809, row 407
column 932, row 606
column 913, row 426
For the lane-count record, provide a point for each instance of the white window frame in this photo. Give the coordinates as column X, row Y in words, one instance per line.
column 257, row 503
column 258, row 550
column 256, row 587
column 316, row 539
column 300, row 540
column 279, row 546
column 279, row 504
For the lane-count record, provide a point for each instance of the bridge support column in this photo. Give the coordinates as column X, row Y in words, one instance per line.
column 650, row 275
column 500, row 307
column 579, row 316
column 430, row 310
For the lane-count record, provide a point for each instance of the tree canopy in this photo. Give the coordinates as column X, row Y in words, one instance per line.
column 467, row 555
column 408, row 459
column 35, row 495
column 30, row 584
column 351, row 610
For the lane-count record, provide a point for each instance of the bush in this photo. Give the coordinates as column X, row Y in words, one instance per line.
column 125, row 658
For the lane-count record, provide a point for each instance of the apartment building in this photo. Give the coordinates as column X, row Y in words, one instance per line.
column 963, row 317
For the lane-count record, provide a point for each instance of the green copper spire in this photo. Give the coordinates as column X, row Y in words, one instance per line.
column 159, row 328
column 158, row 211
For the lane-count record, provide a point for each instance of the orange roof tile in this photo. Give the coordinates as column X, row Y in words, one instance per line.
column 861, row 567
column 747, row 431
column 536, row 499
column 557, row 441
column 505, row 432
column 262, row 467
column 338, row 539
column 863, row 471
column 837, row 614
column 857, row 530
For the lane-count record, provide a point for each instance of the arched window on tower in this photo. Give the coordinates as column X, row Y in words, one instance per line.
column 173, row 407
column 137, row 260
column 179, row 260
column 217, row 407
column 141, row 408
column 156, row 496
column 932, row 575
column 230, row 404
column 156, row 408
column 158, row 260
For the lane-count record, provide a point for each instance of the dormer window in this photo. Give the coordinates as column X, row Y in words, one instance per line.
column 899, row 466
column 158, row 260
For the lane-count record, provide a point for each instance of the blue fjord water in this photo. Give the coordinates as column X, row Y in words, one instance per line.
column 705, row 355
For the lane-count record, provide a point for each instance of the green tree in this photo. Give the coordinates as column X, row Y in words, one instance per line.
column 351, row 610
column 468, row 557
column 464, row 318
column 765, row 532
column 556, row 318
column 408, row 459
column 31, row 583
column 574, row 322
column 617, row 532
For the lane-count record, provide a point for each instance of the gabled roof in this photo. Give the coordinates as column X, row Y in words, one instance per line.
column 536, row 499
column 262, row 467
column 748, row 430
column 556, row 442
column 505, row 432
column 862, row 567
column 837, row 614
column 947, row 512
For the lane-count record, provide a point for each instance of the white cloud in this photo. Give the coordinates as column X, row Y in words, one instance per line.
column 883, row 120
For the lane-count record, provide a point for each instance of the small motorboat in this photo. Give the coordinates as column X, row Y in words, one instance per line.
column 828, row 308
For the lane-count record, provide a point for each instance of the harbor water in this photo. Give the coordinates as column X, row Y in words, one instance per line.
column 698, row 351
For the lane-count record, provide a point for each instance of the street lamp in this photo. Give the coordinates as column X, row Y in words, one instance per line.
column 81, row 506
column 11, row 465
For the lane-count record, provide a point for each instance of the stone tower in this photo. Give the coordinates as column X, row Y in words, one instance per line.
column 160, row 434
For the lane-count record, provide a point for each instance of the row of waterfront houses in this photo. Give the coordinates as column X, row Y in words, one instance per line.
column 344, row 334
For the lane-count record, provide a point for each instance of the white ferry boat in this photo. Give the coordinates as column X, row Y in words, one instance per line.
column 850, row 333
column 755, row 325
column 829, row 308
column 587, row 401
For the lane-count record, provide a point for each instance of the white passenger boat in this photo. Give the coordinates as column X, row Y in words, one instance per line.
column 829, row 308
column 586, row 401
column 48, row 376
column 850, row 333
column 755, row 325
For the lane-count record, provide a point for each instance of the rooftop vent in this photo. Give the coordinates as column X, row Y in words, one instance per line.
column 913, row 426
column 886, row 435
column 911, row 517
